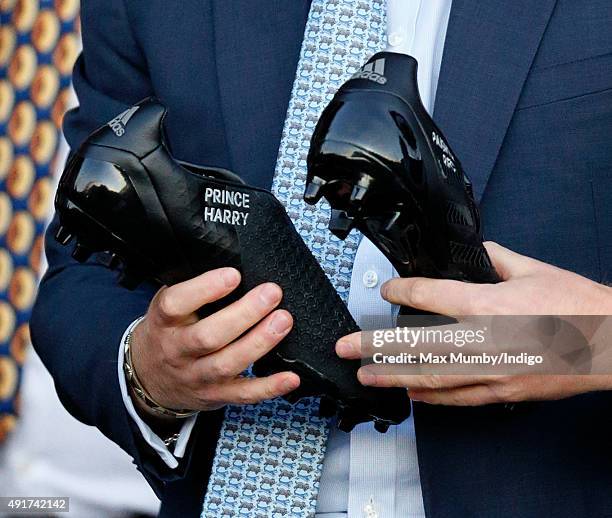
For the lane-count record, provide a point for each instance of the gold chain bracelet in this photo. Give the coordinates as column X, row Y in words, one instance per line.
column 140, row 391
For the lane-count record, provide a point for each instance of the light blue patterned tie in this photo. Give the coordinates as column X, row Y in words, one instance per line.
column 269, row 456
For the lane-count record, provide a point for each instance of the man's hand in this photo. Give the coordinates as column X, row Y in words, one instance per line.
column 528, row 287
column 188, row 363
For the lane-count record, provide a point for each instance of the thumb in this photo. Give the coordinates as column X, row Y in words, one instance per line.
column 509, row 264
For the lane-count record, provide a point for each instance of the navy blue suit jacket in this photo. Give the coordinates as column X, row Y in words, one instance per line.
column 525, row 98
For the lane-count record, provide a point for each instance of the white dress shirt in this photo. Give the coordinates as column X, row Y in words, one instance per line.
column 365, row 473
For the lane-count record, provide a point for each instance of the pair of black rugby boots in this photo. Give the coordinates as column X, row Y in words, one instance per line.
column 376, row 156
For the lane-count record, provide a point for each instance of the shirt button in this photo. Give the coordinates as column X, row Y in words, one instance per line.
column 369, row 510
column 395, row 39
column 370, row 279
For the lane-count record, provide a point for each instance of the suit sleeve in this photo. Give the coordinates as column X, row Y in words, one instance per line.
column 81, row 312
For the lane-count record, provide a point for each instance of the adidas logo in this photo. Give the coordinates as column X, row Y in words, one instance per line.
column 119, row 123
column 374, row 71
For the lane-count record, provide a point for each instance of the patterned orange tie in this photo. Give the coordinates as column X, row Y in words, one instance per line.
column 39, row 43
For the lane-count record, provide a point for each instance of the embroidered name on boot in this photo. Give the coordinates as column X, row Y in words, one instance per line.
column 233, row 209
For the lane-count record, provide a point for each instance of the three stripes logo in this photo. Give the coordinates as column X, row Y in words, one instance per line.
column 374, row 71
column 119, row 123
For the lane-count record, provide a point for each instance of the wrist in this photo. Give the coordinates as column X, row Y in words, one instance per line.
column 144, row 402
column 163, row 426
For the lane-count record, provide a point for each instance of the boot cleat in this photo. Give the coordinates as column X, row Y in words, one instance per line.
column 315, row 190
column 63, row 236
column 156, row 219
column 81, row 253
column 340, row 223
column 387, row 170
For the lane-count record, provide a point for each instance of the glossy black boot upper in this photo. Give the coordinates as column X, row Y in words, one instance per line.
column 386, row 169
column 129, row 184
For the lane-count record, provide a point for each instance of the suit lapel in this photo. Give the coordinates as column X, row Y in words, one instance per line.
column 490, row 46
column 257, row 45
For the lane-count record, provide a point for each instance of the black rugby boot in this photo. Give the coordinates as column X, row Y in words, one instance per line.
column 165, row 221
column 387, row 170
